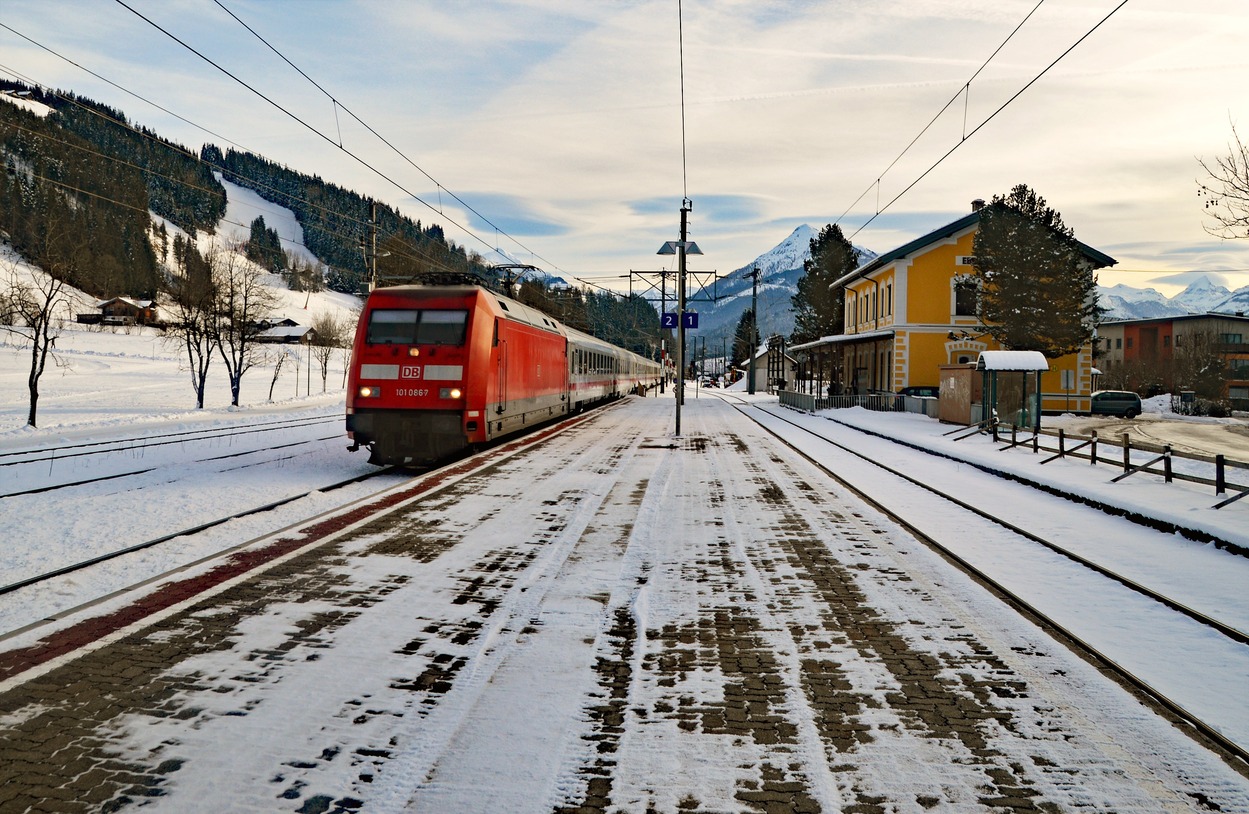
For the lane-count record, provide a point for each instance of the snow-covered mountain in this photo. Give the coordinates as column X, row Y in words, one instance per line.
column 1202, row 296
column 779, row 271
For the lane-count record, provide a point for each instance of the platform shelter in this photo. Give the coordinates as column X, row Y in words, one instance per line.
column 1012, row 385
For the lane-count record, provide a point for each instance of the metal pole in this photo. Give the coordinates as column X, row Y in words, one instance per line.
column 754, row 330
column 373, row 253
column 663, row 339
column 681, row 314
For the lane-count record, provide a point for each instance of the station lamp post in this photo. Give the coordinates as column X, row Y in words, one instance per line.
column 681, row 248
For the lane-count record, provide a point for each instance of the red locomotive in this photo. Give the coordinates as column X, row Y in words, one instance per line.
column 438, row 369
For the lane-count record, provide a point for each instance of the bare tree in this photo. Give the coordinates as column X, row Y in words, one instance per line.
column 1226, row 191
column 36, row 307
column 1199, row 364
column 277, row 370
column 192, row 323
column 241, row 304
column 331, row 333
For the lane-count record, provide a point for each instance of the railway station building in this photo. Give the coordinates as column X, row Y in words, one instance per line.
column 912, row 310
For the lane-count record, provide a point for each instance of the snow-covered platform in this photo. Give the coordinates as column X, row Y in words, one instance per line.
column 619, row 620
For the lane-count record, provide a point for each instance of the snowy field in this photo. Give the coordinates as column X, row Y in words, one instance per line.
column 119, row 377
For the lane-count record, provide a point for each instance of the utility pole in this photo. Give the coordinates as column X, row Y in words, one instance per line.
column 754, row 329
column 372, row 258
column 681, row 248
column 685, row 210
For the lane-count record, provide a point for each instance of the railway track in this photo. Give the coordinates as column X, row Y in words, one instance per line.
column 210, row 459
column 196, row 529
column 137, row 442
column 1146, row 686
column 188, row 536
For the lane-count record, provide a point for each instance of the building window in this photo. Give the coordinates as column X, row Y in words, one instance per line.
column 965, row 295
column 1129, row 342
column 1230, row 339
column 888, row 299
column 1119, row 343
column 1166, row 341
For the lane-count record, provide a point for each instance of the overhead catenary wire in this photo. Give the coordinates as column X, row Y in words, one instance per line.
column 418, row 250
column 421, row 255
column 685, row 187
column 337, row 105
column 990, row 118
column 964, row 91
column 343, row 148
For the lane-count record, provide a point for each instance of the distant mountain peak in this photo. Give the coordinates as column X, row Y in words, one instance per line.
column 1201, row 296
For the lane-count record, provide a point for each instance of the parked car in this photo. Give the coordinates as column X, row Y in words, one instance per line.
column 920, row 390
column 1116, row 402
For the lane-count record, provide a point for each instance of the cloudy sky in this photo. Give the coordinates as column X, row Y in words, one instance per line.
column 560, row 121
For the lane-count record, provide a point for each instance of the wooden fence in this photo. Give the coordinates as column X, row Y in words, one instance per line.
column 1159, row 459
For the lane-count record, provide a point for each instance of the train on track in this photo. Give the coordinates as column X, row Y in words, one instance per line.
column 440, row 369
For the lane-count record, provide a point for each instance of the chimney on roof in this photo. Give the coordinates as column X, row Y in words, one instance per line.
column 977, row 205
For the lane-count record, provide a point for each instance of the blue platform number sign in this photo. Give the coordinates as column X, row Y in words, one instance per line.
column 688, row 320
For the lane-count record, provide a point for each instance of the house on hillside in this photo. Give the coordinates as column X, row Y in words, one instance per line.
column 285, row 332
column 121, row 311
column 911, row 310
column 1153, row 345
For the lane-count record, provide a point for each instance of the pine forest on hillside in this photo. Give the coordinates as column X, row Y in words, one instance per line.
column 78, row 186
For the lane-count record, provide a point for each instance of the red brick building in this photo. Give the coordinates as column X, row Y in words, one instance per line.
column 1159, row 343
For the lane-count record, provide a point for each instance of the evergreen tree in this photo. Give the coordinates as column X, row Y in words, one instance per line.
column 746, row 337
column 1038, row 290
column 264, row 247
column 818, row 309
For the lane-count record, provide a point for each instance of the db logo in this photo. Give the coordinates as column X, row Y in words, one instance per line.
column 410, row 372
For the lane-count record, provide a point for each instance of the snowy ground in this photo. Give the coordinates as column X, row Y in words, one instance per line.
column 512, row 607
column 667, row 624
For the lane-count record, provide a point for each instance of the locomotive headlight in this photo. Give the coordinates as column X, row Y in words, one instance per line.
column 369, row 392
column 414, row 351
column 450, row 393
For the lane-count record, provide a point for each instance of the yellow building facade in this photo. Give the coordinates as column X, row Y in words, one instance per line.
column 912, row 310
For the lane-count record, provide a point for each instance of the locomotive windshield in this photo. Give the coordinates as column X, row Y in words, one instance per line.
column 392, row 326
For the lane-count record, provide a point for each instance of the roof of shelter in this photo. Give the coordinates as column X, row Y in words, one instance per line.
column 1012, row 360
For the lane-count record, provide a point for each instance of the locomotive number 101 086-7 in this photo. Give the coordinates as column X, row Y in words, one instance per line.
column 412, row 391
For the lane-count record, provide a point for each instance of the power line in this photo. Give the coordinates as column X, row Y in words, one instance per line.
column 339, row 105
column 348, row 152
column 314, row 130
column 685, row 187
column 963, row 91
column 990, row 118
column 178, row 148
